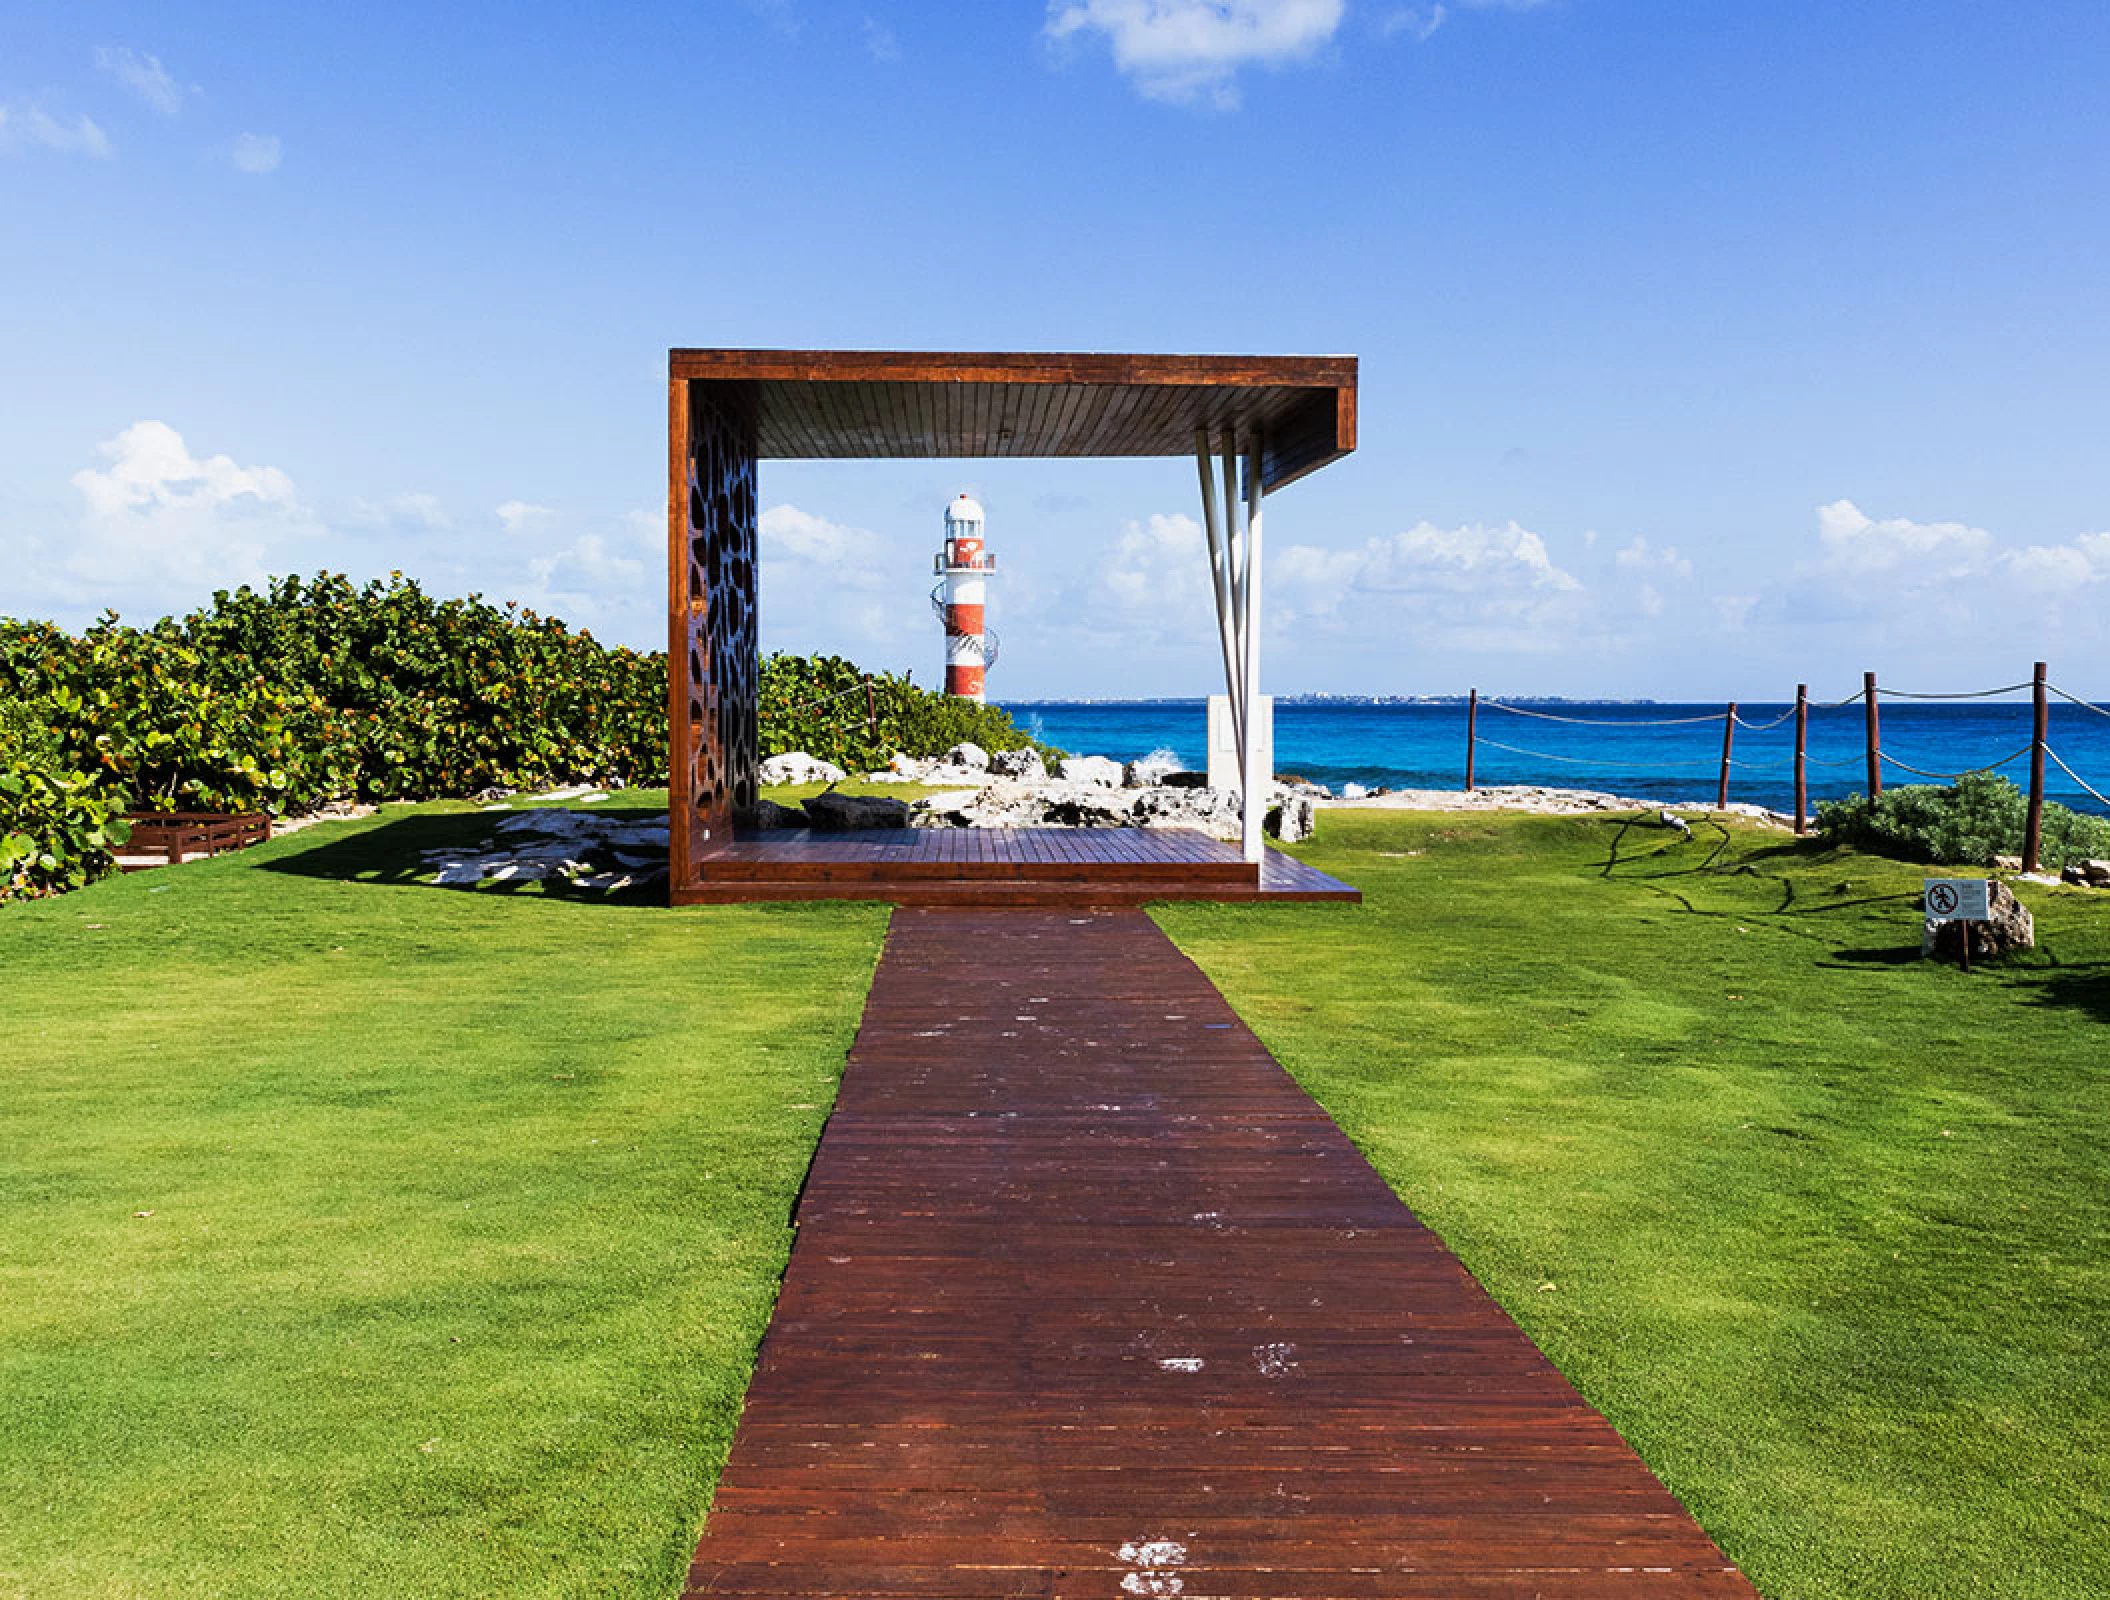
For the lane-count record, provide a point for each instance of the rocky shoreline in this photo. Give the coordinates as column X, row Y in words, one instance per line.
column 1014, row 789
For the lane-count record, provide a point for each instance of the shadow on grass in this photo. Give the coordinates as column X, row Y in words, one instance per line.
column 2077, row 988
column 1902, row 955
column 393, row 854
column 1654, row 863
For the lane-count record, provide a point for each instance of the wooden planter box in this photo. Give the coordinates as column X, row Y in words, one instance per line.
column 177, row 836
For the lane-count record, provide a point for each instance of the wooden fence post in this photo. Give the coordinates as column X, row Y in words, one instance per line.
column 1472, row 735
column 1875, row 737
column 1721, row 791
column 871, row 709
column 1802, row 758
column 2033, row 835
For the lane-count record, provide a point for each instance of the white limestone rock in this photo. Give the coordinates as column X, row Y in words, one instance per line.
column 967, row 757
column 795, row 766
column 1147, row 772
column 1025, row 765
column 1091, row 770
column 1292, row 818
column 1088, row 805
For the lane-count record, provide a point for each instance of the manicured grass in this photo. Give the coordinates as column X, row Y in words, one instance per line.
column 369, row 1239
column 1824, row 1229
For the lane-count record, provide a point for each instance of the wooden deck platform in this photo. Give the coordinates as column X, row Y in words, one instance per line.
column 1089, row 1299
column 1001, row 867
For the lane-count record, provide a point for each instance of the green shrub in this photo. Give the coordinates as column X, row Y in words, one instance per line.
column 829, row 708
column 1979, row 816
column 26, row 733
column 58, row 829
column 308, row 691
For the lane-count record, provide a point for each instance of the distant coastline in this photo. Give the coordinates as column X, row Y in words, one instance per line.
column 1335, row 700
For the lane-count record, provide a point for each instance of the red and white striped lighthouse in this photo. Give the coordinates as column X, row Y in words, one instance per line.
column 965, row 565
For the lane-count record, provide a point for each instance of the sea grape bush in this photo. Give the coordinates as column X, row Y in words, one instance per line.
column 827, row 707
column 1979, row 816
column 58, row 828
column 308, row 691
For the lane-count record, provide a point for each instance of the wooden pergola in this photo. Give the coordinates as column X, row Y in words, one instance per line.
column 1253, row 424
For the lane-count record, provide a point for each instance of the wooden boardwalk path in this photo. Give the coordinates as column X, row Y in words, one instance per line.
column 1089, row 1299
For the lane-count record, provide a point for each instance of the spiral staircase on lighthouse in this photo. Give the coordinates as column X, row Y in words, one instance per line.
column 964, row 567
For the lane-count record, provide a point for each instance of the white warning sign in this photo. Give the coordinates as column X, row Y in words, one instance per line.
column 1959, row 900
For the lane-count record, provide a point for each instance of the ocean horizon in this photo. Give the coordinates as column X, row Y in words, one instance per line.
column 1655, row 750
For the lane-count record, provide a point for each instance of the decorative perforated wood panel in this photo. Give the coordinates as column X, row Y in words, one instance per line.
column 712, row 766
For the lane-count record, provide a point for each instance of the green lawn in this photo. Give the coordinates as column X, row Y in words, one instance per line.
column 462, row 1215
column 1823, row 1228
column 467, row 1208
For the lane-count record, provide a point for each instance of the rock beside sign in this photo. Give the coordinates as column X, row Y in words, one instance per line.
column 2010, row 928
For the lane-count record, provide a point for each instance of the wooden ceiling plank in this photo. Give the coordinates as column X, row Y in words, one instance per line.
column 820, row 404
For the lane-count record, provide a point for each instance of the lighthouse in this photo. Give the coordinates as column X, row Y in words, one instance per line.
column 964, row 568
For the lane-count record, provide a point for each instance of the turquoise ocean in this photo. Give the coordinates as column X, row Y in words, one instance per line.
column 1651, row 751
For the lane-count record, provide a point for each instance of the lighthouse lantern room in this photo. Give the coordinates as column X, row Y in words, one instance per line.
column 960, row 597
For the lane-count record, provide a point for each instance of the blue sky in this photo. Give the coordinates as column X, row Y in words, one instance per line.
column 1707, row 346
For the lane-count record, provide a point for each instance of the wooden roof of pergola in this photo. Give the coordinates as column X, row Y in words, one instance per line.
column 869, row 404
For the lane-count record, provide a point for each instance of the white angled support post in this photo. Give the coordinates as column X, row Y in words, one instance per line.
column 1220, row 573
column 1253, row 797
column 1233, row 532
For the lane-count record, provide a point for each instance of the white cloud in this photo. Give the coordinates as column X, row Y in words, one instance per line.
column 1415, row 22
column 604, row 574
column 832, row 587
column 589, row 570
column 161, row 526
column 2060, row 567
column 519, row 516
column 1486, row 586
column 22, row 128
column 1936, row 602
column 1181, row 50
column 1420, row 22
column 145, row 76
column 1638, row 556
column 255, row 153
column 1851, row 541
column 791, row 538
column 1733, row 611
column 151, row 469
column 1158, row 571
column 418, row 513
column 1479, row 587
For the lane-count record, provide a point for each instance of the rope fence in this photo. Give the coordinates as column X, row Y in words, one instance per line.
column 2077, row 778
column 1873, row 758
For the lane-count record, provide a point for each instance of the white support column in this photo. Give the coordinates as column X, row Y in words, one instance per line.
column 1253, row 798
column 1220, row 574
column 1233, row 532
